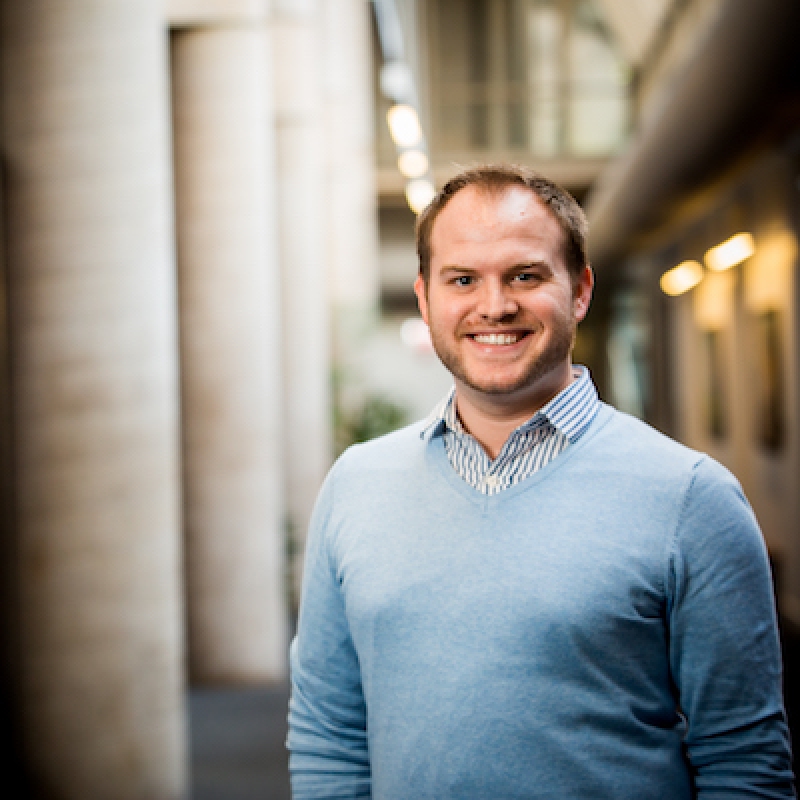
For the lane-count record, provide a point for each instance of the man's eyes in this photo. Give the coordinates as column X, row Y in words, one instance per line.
column 527, row 277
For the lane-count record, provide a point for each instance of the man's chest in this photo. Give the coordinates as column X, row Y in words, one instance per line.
column 522, row 587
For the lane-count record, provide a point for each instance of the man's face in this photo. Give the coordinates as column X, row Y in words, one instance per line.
column 500, row 304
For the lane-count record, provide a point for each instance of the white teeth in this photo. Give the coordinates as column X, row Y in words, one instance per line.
column 496, row 338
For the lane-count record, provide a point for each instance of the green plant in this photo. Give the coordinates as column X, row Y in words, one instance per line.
column 376, row 416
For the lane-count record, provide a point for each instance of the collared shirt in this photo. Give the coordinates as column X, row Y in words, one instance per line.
column 531, row 446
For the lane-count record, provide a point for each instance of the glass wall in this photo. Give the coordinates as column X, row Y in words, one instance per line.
column 536, row 77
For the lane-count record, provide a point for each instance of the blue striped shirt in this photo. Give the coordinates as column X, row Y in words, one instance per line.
column 531, row 446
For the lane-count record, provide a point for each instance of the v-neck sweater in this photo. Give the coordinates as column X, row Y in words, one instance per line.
column 604, row 629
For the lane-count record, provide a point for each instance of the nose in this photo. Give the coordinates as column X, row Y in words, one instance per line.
column 496, row 302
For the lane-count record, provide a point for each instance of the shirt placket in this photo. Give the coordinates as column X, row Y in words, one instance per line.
column 495, row 480
column 482, row 467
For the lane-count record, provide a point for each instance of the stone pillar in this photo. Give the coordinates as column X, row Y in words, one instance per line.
column 230, row 310
column 94, row 397
column 352, row 213
column 349, row 138
column 302, row 203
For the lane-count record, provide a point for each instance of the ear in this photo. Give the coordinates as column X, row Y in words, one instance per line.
column 421, row 291
column 582, row 293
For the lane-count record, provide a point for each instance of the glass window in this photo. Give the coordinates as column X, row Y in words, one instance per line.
column 540, row 76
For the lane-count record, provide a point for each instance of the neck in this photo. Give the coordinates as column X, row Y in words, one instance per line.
column 491, row 419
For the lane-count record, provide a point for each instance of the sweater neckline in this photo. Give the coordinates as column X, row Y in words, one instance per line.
column 435, row 453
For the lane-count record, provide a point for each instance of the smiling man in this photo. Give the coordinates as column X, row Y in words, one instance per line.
column 530, row 595
column 502, row 296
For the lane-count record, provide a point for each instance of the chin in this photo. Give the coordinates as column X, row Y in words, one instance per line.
column 533, row 383
column 543, row 375
column 494, row 384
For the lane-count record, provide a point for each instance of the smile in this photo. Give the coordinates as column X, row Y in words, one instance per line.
column 497, row 338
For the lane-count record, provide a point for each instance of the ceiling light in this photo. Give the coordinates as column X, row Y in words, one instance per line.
column 412, row 163
column 419, row 194
column 681, row 278
column 731, row 252
column 396, row 79
column 404, row 125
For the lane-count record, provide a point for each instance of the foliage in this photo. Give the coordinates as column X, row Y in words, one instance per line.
column 376, row 416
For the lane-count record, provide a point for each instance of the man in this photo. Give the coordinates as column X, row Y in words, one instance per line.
column 530, row 595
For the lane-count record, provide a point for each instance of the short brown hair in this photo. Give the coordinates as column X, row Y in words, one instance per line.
column 496, row 177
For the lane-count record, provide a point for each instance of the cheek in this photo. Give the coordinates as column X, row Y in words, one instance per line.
column 556, row 305
column 443, row 322
column 446, row 312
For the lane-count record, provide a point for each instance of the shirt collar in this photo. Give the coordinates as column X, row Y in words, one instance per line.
column 435, row 423
column 571, row 410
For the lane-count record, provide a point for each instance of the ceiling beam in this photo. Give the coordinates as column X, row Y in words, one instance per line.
column 730, row 71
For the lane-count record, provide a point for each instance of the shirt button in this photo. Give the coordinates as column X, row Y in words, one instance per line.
column 492, row 481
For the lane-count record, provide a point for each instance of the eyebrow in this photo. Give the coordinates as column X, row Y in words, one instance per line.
column 448, row 268
column 456, row 268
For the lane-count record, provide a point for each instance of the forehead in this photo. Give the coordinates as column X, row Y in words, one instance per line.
column 476, row 216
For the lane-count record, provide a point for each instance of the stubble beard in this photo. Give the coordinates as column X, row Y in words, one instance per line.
column 555, row 355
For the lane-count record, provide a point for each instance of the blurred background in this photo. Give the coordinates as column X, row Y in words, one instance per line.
column 207, row 254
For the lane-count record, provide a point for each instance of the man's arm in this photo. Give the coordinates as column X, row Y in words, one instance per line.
column 724, row 648
column 327, row 714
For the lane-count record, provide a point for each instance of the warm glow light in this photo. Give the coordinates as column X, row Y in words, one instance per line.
column 731, row 252
column 412, row 163
column 712, row 301
column 768, row 274
column 681, row 278
column 419, row 194
column 404, row 125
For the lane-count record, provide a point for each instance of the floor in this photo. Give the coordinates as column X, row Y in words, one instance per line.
column 237, row 750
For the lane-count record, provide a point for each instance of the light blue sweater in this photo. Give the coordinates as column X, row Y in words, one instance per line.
column 603, row 630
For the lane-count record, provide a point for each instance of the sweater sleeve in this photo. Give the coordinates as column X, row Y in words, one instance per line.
column 724, row 647
column 327, row 715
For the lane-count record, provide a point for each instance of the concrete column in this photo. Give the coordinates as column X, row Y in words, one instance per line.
column 230, row 310
column 302, row 181
column 94, row 397
column 349, row 138
column 352, row 239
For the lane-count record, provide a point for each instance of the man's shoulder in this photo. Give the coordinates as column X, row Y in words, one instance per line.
column 633, row 442
column 397, row 449
column 631, row 455
column 654, row 455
